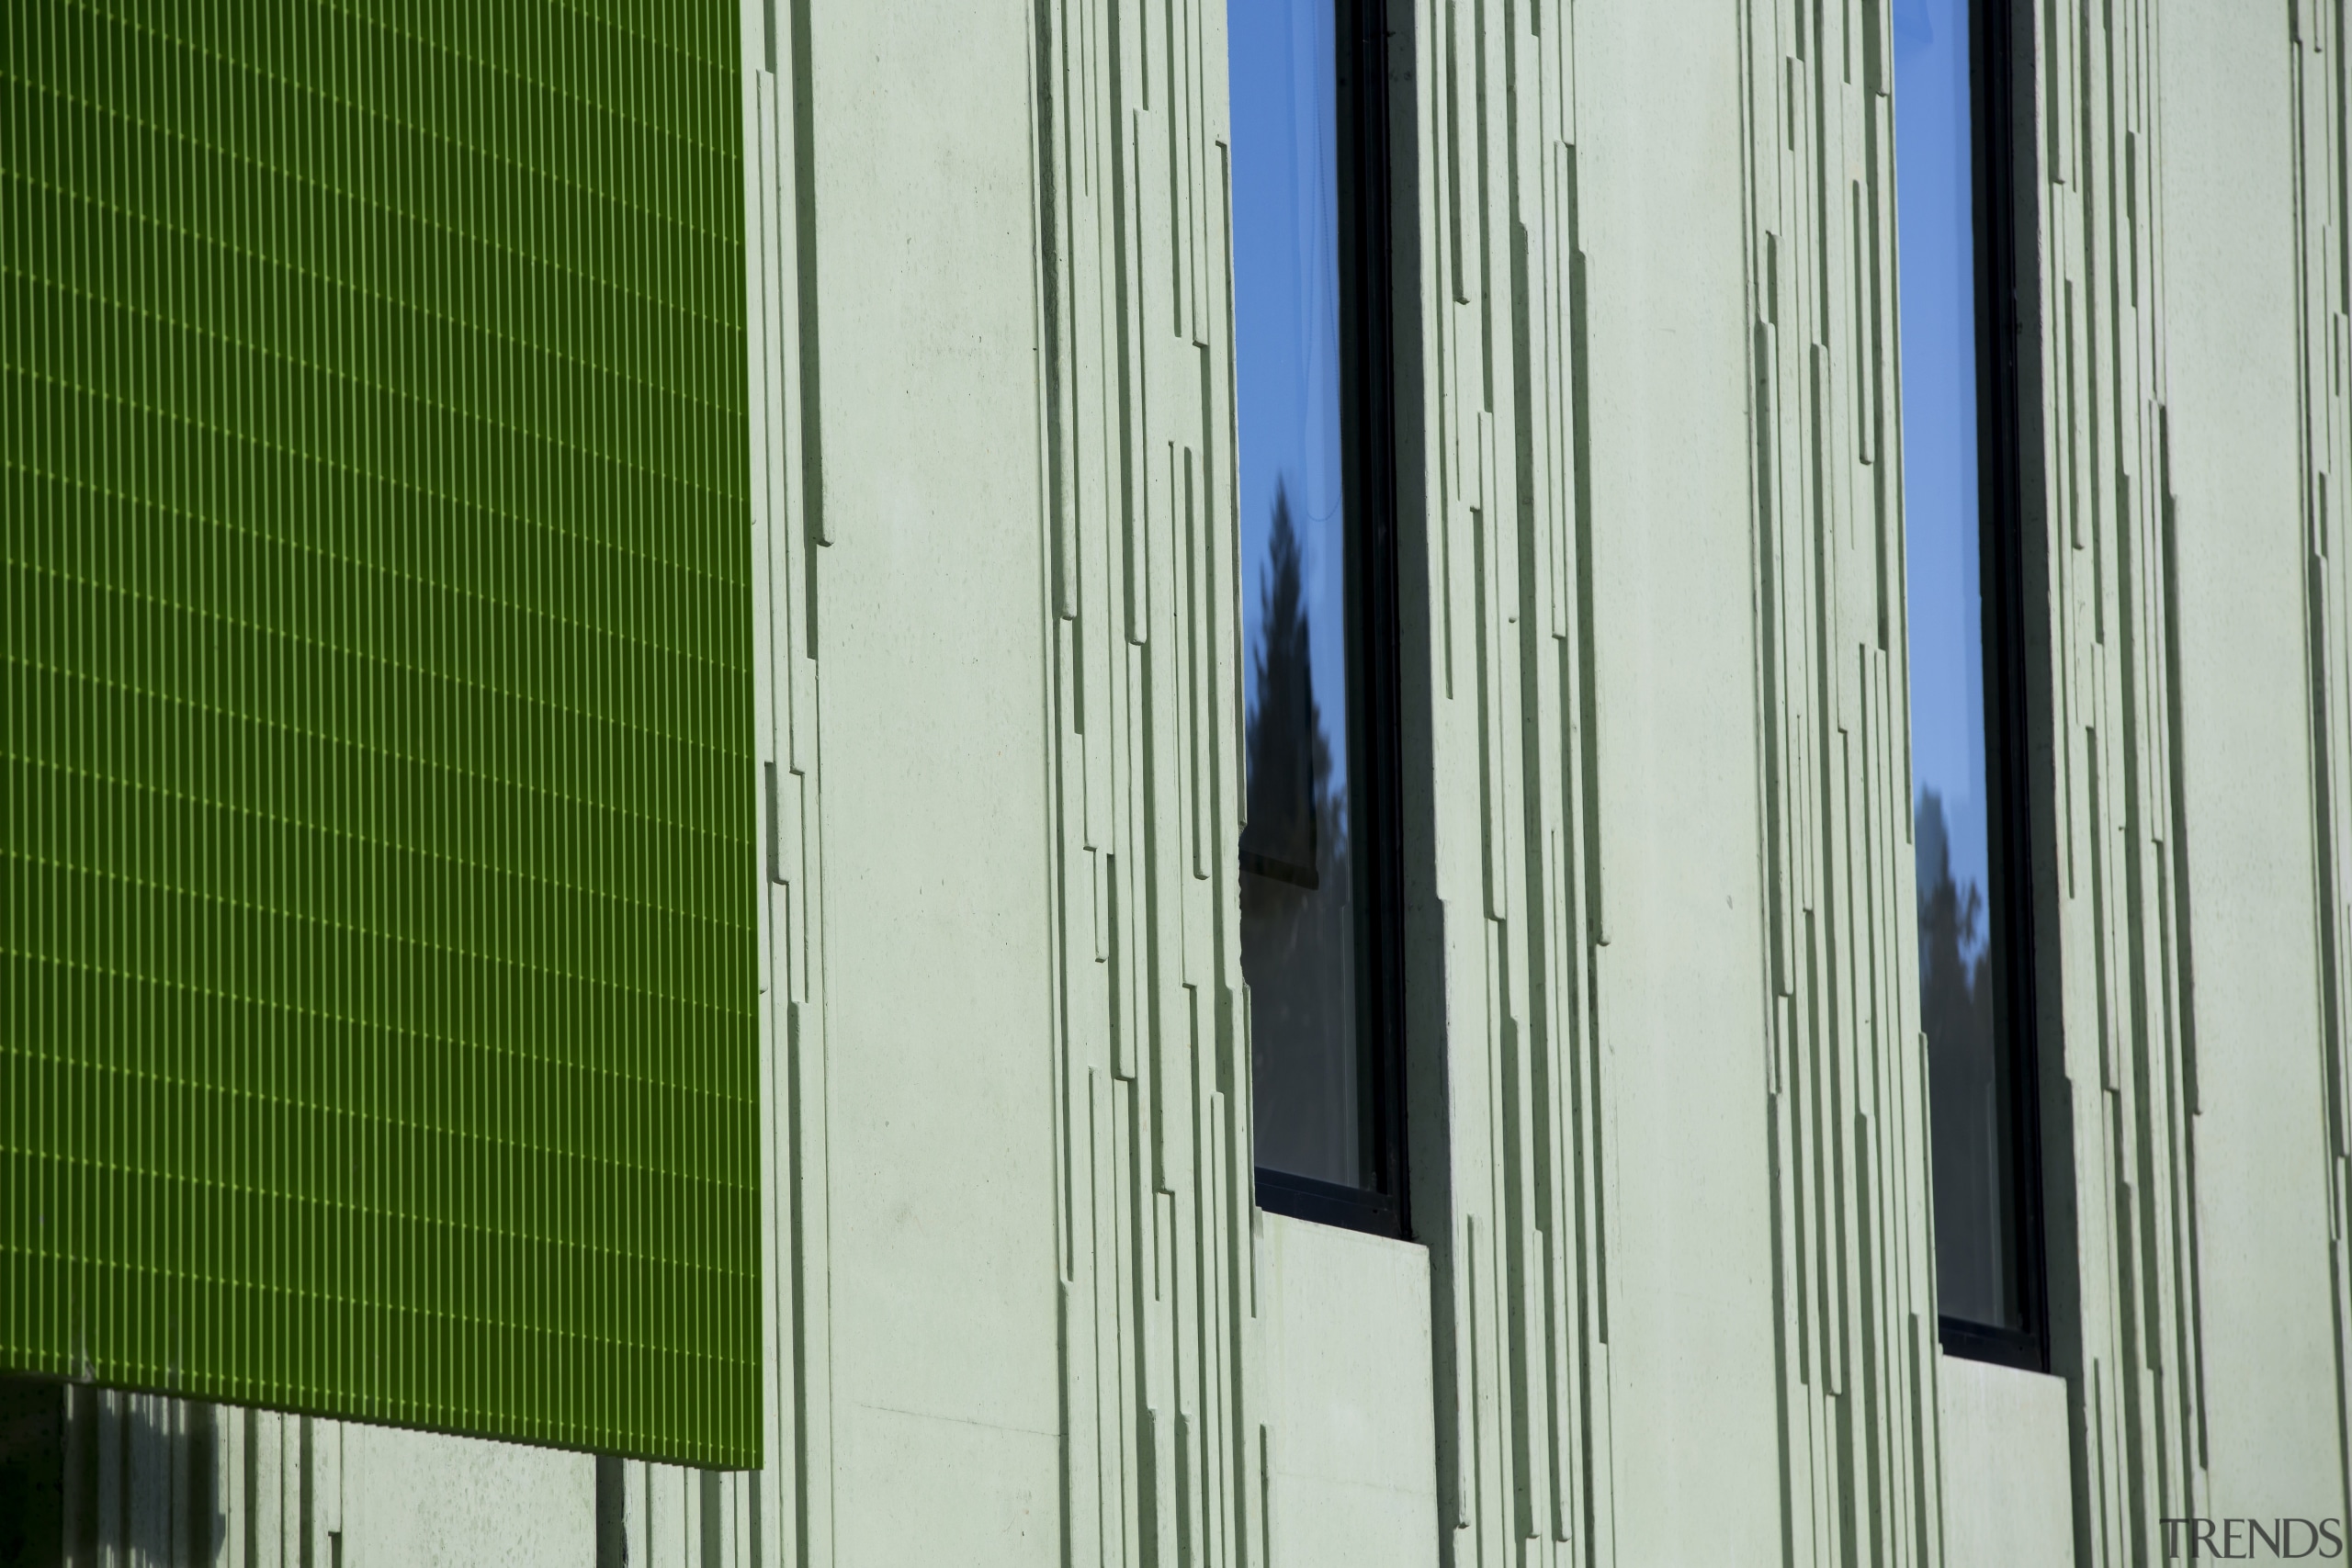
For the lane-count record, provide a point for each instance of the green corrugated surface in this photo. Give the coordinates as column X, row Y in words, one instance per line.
column 379, row 1004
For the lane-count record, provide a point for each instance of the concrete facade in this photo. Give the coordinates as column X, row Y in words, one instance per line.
column 1669, row 1295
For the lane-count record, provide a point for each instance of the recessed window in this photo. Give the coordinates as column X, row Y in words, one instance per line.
column 1318, row 904
column 1959, row 518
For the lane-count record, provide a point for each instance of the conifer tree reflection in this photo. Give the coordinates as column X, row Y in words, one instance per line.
column 1297, row 920
column 1967, row 1084
column 1290, row 758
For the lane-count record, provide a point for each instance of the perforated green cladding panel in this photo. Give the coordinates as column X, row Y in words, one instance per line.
column 377, row 1029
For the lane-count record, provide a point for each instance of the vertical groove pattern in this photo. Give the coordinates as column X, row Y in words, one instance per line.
column 2324, row 284
column 2113, row 908
column 1151, row 1061
column 1517, row 1220
column 1852, row 1247
column 162, row 1480
column 167, row 1482
column 374, row 606
column 788, row 1507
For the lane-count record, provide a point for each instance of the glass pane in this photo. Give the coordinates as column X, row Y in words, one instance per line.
column 1298, row 911
column 1969, row 1089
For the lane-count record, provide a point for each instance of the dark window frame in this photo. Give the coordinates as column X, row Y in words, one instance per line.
column 1375, row 686
column 2002, row 636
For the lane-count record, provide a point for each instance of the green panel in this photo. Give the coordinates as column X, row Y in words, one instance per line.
column 381, row 994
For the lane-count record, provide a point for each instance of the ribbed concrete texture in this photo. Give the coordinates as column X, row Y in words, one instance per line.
column 2323, row 280
column 1669, row 1296
column 661, row 1516
column 2253, row 100
column 1164, row 1443
column 2322, row 167
column 2113, row 928
column 788, row 1503
column 142, row 1479
column 1853, row 1261
column 1511, row 1124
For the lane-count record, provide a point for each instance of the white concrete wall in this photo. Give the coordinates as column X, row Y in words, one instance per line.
column 1691, row 1333
column 2270, row 1372
column 149, row 1481
column 938, row 970
column 940, row 1378
column 2008, row 1499
column 419, row 1498
column 1351, row 1439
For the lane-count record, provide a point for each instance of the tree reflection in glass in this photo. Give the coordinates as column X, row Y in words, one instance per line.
column 1968, row 1085
column 1970, row 1096
column 1299, row 918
